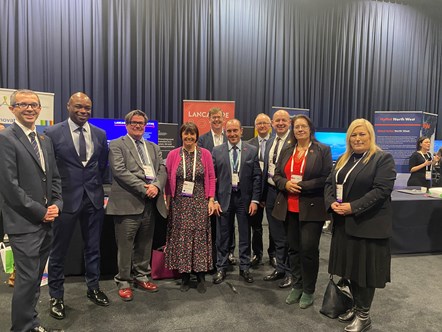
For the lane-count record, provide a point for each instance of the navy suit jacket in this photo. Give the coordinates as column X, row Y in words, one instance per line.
column 249, row 175
column 25, row 187
column 206, row 141
column 76, row 178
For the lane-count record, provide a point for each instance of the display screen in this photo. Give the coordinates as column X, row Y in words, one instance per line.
column 437, row 145
column 116, row 128
column 336, row 141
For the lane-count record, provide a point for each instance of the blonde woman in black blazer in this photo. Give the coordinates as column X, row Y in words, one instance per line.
column 358, row 194
column 300, row 177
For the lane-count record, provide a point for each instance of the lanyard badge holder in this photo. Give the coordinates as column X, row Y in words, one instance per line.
column 188, row 186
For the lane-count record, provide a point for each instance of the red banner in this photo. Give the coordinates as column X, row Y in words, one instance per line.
column 197, row 111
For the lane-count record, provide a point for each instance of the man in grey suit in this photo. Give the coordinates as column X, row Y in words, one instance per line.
column 238, row 192
column 31, row 187
column 81, row 152
column 139, row 177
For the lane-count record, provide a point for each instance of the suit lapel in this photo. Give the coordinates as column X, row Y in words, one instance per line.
column 152, row 155
column 310, row 161
column 26, row 143
column 70, row 142
column 133, row 150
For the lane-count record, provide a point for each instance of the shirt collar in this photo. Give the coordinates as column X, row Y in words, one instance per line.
column 239, row 145
column 73, row 126
column 26, row 130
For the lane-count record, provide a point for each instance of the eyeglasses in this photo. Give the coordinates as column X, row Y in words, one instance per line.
column 24, row 106
column 136, row 123
column 301, row 127
column 79, row 107
column 262, row 123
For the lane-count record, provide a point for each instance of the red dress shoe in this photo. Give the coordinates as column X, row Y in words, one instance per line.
column 146, row 285
column 126, row 294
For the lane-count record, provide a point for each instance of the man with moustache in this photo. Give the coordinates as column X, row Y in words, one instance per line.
column 31, row 187
column 81, row 152
column 136, row 198
column 282, row 139
column 262, row 127
column 209, row 140
column 238, row 192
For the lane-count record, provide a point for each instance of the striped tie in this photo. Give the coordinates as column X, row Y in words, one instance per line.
column 141, row 152
column 35, row 146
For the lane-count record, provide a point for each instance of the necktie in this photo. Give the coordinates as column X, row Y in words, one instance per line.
column 235, row 158
column 82, row 144
column 262, row 147
column 35, row 146
column 275, row 152
column 141, row 151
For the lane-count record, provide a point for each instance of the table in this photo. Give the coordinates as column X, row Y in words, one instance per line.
column 417, row 224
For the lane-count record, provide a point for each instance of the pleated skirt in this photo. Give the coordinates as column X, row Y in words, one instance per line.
column 364, row 261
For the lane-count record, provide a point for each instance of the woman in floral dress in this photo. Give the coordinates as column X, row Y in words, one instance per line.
column 190, row 190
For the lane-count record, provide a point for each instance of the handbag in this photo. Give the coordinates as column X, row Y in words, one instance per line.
column 7, row 258
column 337, row 298
column 158, row 268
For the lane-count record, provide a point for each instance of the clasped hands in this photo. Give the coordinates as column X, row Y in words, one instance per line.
column 151, row 190
column 51, row 213
column 342, row 209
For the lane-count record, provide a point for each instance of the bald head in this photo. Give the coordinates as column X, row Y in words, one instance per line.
column 281, row 122
column 79, row 108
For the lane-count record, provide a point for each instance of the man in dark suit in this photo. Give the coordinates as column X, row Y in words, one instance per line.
column 81, row 152
column 209, row 140
column 262, row 127
column 31, row 187
column 238, row 192
column 282, row 139
column 136, row 199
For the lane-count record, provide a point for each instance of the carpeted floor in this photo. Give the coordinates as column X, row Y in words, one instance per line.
column 412, row 302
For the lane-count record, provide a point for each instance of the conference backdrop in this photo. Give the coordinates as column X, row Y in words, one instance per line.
column 339, row 59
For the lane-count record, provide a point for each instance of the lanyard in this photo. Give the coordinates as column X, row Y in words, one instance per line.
column 194, row 165
column 351, row 169
column 146, row 154
column 303, row 159
column 425, row 159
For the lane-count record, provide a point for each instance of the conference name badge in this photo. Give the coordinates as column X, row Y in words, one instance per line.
column 235, row 180
column 271, row 170
column 427, row 175
column 339, row 192
column 148, row 172
column 188, row 188
column 295, row 178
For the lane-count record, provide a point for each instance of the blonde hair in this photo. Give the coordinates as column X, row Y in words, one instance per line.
column 349, row 151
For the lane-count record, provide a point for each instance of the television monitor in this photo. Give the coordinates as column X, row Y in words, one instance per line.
column 116, row 128
column 336, row 141
column 437, row 145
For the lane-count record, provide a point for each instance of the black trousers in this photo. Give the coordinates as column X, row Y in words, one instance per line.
column 362, row 296
column 303, row 239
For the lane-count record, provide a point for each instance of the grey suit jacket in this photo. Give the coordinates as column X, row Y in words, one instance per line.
column 25, row 187
column 128, row 194
column 249, row 175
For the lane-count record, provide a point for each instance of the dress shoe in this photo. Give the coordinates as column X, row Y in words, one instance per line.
column 44, row 329
column 294, row 296
column 273, row 262
column 256, row 260
column 126, row 294
column 246, row 275
column 306, row 300
column 98, row 297
column 201, row 286
column 146, row 285
column 347, row 316
column 286, row 282
column 231, row 259
column 275, row 275
column 219, row 277
column 56, row 309
column 361, row 322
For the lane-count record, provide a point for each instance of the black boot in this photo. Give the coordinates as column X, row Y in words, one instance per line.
column 185, row 280
column 347, row 316
column 361, row 322
column 201, row 285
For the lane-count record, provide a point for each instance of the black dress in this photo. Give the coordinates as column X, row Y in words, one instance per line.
column 418, row 178
column 362, row 260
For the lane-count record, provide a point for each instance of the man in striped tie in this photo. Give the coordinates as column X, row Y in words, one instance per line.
column 31, row 187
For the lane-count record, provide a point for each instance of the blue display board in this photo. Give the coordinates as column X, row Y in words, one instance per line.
column 116, row 128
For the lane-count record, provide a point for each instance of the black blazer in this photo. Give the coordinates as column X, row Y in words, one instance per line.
column 311, row 200
column 368, row 190
column 206, row 141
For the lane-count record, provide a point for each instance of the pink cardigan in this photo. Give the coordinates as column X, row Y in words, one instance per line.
column 172, row 162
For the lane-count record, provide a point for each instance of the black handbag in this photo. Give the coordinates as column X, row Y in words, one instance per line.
column 337, row 298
